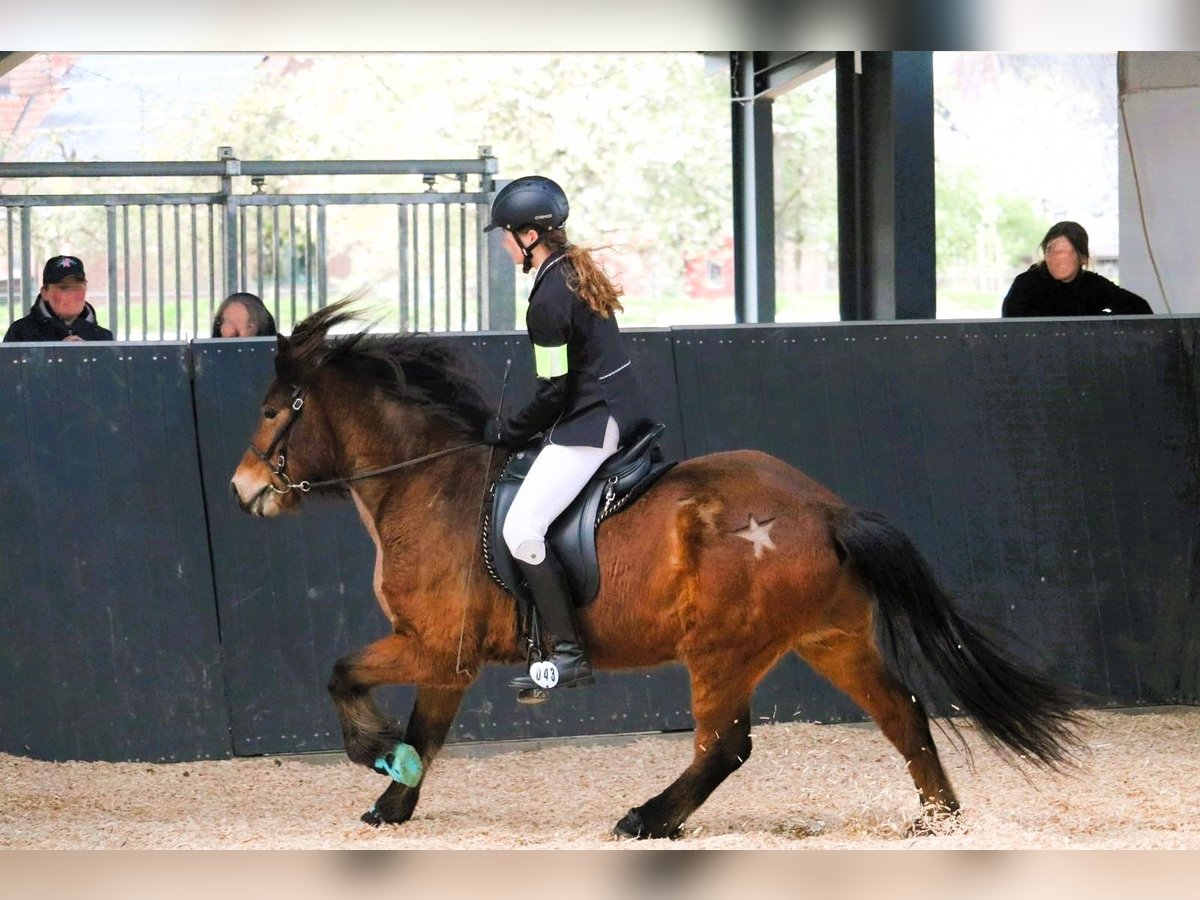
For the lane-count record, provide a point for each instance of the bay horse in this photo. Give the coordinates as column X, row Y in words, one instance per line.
column 726, row 564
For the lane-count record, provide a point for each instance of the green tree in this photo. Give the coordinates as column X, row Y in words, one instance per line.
column 640, row 141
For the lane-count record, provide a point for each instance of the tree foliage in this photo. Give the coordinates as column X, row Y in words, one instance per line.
column 639, row 141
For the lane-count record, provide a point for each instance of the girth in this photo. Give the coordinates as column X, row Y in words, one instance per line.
column 622, row 478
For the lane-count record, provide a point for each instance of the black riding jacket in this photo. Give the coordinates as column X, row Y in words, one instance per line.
column 573, row 409
column 43, row 325
column 1036, row 292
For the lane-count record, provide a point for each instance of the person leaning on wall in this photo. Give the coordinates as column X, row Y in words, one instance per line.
column 61, row 311
column 243, row 315
column 1060, row 285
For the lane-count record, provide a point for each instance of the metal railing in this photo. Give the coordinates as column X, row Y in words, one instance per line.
column 159, row 263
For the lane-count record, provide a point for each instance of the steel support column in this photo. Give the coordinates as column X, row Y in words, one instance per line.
column 753, row 191
column 886, row 232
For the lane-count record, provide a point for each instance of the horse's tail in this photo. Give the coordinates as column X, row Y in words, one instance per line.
column 1015, row 708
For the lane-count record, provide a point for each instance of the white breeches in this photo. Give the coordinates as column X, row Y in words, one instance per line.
column 554, row 480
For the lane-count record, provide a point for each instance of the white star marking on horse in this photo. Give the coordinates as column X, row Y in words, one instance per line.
column 759, row 534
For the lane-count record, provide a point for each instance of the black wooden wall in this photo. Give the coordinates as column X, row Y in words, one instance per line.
column 108, row 635
column 1047, row 469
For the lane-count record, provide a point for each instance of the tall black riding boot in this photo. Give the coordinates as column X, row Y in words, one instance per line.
column 552, row 596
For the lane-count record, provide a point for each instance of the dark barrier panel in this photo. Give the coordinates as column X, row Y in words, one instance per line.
column 1046, row 469
column 295, row 593
column 108, row 634
column 287, row 589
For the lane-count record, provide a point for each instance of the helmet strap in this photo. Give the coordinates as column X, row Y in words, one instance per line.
column 526, row 250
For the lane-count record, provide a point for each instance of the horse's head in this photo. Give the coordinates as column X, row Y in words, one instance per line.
column 292, row 443
column 391, row 398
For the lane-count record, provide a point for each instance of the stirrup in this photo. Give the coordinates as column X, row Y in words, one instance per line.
column 528, row 687
column 545, row 676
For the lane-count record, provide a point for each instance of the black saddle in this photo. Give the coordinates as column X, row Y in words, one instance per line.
column 623, row 478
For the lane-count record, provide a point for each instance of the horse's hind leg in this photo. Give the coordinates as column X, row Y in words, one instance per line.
column 853, row 664
column 430, row 720
column 722, row 744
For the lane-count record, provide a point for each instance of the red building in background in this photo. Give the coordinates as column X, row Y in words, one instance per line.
column 710, row 275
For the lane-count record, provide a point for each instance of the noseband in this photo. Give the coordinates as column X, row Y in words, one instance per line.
column 279, row 443
column 278, row 450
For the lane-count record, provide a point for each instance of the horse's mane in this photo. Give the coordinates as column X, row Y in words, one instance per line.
column 414, row 368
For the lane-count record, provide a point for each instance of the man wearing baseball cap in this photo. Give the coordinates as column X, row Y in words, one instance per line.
column 61, row 311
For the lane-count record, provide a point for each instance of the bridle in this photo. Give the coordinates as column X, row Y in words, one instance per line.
column 278, row 450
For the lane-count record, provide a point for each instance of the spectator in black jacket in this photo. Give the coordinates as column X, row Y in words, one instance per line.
column 1060, row 285
column 61, row 311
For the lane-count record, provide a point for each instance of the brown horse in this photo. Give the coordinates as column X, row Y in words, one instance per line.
column 726, row 564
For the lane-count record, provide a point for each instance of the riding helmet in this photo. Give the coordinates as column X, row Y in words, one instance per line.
column 529, row 202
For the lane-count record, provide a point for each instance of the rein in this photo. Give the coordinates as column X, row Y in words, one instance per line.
column 280, row 443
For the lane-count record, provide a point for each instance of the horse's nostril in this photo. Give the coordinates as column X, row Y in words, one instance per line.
column 233, row 489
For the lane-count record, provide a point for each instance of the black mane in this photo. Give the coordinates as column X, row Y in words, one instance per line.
column 414, row 368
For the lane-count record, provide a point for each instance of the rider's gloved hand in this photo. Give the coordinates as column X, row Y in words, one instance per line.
column 493, row 433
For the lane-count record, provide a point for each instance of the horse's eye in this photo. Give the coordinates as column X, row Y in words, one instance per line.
column 269, row 413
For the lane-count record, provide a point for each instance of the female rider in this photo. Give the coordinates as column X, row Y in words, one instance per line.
column 588, row 402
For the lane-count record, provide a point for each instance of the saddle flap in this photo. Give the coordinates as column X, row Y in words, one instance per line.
column 620, row 480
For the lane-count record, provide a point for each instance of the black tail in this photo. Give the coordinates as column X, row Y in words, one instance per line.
column 1016, row 709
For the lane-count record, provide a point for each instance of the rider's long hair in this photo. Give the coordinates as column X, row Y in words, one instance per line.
column 585, row 276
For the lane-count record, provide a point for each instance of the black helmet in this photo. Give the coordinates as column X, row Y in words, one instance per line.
column 529, row 202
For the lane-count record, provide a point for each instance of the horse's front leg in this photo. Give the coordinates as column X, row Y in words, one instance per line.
column 374, row 741
column 430, row 720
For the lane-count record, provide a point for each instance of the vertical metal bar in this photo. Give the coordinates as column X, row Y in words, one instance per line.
column 502, row 285
column 275, row 256
column 212, row 262
column 110, row 229
column 416, row 267
column 12, row 316
column 292, row 258
column 446, row 281
column 402, row 264
column 912, row 110
column 308, row 259
column 178, row 281
column 244, row 269
column 258, row 251
column 432, row 271
column 145, row 291
column 162, row 277
column 500, row 309
column 128, row 298
column 481, row 280
column 753, row 192
column 462, row 266
column 323, row 272
column 27, row 275
column 195, row 278
column 230, row 237
column 855, row 260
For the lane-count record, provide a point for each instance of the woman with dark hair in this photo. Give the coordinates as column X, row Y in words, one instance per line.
column 243, row 315
column 1059, row 285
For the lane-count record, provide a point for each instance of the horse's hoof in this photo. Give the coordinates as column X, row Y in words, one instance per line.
column 371, row 817
column 402, row 765
column 935, row 821
column 631, row 827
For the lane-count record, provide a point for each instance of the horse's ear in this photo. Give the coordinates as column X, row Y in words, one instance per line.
column 282, row 345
